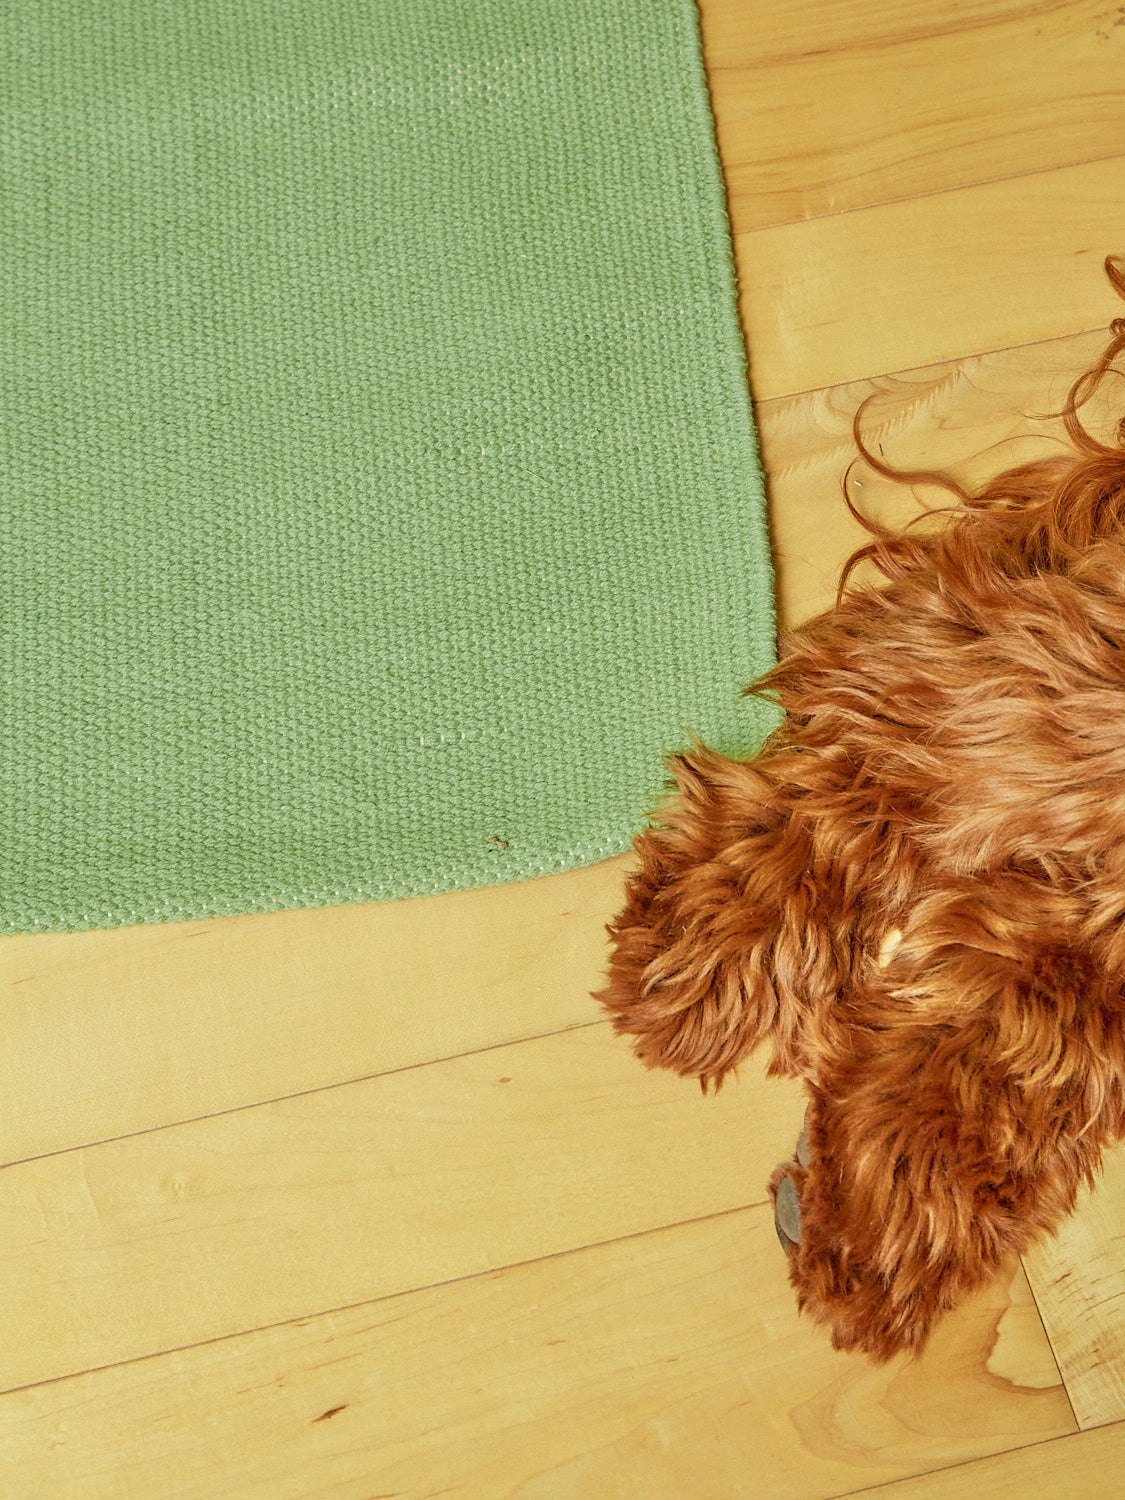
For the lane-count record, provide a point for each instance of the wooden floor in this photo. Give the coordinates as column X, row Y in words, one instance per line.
column 368, row 1202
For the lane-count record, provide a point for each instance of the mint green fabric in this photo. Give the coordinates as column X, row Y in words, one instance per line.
column 379, row 495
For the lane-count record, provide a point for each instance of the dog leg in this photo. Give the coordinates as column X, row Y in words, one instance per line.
column 721, row 943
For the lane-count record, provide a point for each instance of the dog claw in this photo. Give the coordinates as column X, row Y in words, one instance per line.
column 787, row 1214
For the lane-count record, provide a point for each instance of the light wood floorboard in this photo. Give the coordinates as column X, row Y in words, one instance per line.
column 661, row 1368
column 109, row 1033
column 1079, row 1283
column 910, row 98
column 969, row 419
column 1068, row 1468
column 930, row 279
column 341, row 1195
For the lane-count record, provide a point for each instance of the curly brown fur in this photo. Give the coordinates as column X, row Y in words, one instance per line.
column 951, row 765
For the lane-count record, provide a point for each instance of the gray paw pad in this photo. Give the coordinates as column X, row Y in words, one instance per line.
column 787, row 1213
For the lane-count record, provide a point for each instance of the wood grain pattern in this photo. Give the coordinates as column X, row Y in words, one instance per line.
column 108, row 1033
column 661, row 1367
column 1068, row 1468
column 910, row 98
column 931, row 279
column 339, row 1196
column 969, row 419
column 1079, row 1283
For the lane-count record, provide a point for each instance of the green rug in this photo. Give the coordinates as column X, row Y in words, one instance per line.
column 379, row 495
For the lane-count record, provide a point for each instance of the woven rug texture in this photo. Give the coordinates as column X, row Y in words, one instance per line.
column 379, row 491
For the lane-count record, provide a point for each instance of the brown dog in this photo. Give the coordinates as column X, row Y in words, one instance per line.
column 916, row 893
